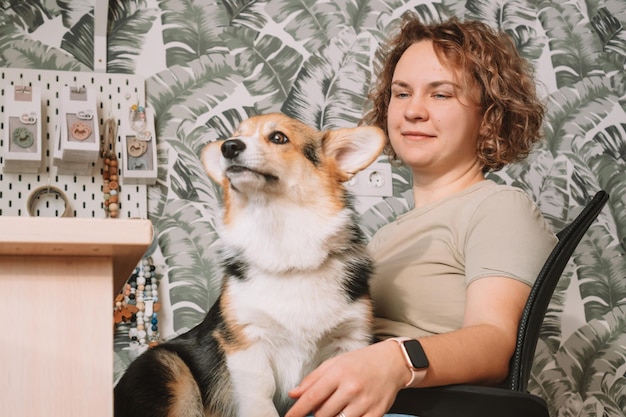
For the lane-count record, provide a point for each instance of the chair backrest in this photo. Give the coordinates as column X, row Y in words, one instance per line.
column 542, row 290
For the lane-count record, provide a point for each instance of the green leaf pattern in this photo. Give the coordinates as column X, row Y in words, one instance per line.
column 314, row 60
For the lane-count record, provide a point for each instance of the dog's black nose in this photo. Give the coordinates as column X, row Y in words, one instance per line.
column 232, row 147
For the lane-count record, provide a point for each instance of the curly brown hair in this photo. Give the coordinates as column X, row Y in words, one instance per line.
column 512, row 112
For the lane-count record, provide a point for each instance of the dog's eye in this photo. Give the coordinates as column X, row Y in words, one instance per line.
column 278, row 138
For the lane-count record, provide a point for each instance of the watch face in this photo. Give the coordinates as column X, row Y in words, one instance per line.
column 416, row 354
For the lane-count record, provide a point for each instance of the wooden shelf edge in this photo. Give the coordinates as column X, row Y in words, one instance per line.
column 123, row 240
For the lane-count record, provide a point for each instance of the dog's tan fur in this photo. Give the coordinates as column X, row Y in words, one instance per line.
column 183, row 387
column 238, row 340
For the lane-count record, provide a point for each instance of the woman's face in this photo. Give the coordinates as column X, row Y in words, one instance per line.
column 433, row 121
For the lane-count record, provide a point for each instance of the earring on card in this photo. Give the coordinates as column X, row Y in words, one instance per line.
column 29, row 118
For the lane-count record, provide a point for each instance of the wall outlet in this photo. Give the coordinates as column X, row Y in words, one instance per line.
column 373, row 181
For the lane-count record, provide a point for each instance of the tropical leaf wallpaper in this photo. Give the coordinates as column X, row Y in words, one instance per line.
column 209, row 64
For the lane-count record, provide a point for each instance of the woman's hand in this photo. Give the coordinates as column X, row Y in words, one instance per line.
column 362, row 383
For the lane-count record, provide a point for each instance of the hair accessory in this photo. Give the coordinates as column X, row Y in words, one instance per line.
column 34, row 197
column 139, row 141
column 80, row 131
column 23, row 137
column 137, row 118
column 29, row 118
column 110, row 171
column 144, row 136
column 138, row 306
column 85, row 115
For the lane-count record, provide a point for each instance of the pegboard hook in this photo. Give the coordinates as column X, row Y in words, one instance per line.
column 21, row 89
column 78, row 89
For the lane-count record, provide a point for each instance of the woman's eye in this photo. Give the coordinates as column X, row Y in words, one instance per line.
column 278, row 138
column 441, row 95
column 400, row 94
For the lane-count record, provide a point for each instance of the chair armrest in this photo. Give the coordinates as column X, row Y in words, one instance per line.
column 468, row 401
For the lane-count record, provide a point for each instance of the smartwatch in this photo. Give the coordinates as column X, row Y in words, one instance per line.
column 415, row 358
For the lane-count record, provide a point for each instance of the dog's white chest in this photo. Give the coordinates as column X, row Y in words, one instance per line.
column 280, row 238
column 292, row 323
column 305, row 304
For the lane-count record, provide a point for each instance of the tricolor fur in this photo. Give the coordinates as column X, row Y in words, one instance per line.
column 295, row 284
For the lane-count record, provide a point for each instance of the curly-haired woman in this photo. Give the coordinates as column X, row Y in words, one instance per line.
column 457, row 101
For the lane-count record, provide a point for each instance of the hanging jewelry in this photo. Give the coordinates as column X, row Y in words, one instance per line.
column 138, row 306
column 29, row 118
column 137, row 146
column 85, row 115
column 110, row 170
column 137, row 118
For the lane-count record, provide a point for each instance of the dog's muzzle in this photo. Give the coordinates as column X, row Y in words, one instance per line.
column 231, row 148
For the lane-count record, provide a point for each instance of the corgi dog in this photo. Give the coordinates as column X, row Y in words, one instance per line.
column 295, row 271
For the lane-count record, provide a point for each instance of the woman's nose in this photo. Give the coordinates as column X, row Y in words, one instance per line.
column 415, row 109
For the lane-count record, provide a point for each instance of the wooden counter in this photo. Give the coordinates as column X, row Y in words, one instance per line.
column 58, row 277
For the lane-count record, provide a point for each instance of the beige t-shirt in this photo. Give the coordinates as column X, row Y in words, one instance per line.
column 426, row 258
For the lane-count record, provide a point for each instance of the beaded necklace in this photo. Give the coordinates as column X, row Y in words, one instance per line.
column 138, row 306
column 110, row 171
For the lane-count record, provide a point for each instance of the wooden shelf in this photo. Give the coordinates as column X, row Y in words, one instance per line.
column 58, row 277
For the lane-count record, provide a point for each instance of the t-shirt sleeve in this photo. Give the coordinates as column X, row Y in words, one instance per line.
column 508, row 237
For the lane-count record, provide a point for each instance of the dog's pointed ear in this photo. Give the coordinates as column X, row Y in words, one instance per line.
column 210, row 158
column 354, row 148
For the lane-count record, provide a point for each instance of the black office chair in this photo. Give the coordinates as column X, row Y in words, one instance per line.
column 511, row 399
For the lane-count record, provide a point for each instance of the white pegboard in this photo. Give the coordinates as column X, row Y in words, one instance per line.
column 115, row 94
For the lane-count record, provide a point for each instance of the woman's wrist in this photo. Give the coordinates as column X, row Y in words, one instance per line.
column 413, row 358
column 397, row 365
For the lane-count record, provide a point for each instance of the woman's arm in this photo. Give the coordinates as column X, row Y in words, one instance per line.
column 480, row 351
column 365, row 382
